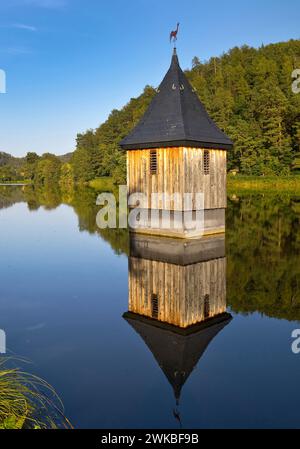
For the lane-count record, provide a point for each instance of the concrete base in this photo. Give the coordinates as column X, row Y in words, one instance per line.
column 213, row 223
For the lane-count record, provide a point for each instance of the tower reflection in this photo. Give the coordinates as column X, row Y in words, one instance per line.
column 177, row 300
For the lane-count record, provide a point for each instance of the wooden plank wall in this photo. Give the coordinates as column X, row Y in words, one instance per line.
column 169, row 178
column 181, row 290
column 179, row 170
column 214, row 184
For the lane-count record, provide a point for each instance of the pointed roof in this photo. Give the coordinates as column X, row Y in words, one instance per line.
column 176, row 117
column 176, row 350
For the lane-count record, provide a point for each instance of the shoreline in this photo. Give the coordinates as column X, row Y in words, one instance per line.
column 272, row 184
column 13, row 184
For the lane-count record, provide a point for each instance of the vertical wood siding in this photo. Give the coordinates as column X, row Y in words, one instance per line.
column 180, row 170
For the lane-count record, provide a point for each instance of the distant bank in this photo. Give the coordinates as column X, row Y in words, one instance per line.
column 265, row 184
column 275, row 184
column 14, row 183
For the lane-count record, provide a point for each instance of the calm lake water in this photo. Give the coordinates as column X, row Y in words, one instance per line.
column 64, row 292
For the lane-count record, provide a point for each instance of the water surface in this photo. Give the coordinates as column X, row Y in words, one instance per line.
column 64, row 292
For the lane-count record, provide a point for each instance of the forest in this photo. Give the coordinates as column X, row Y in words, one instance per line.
column 247, row 91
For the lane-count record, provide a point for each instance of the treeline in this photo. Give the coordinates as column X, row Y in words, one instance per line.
column 42, row 170
column 247, row 91
column 10, row 167
column 97, row 151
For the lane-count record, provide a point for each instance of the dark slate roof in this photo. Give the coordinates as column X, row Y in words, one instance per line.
column 177, row 351
column 176, row 117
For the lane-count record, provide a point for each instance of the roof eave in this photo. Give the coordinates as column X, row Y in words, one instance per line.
column 177, row 143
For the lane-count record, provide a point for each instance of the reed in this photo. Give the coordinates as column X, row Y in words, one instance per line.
column 26, row 401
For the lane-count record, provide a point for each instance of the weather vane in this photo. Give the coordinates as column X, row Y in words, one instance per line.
column 173, row 35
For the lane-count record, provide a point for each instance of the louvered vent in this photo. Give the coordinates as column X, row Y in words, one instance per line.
column 153, row 162
column 206, row 162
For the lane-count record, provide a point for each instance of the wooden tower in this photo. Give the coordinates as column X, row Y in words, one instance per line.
column 177, row 148
column 177, row 299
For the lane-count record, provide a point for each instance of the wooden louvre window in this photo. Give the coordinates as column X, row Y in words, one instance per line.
column 206, row 162
column 153, row 162
column 154, row 306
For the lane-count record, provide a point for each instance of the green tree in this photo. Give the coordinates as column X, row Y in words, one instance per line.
column 47, row 170
column 66, row 176
column 30, row 165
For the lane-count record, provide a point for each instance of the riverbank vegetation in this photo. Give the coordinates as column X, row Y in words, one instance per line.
column 27, row 402
column 247, row 91
column 104, row 184
column 289, row 184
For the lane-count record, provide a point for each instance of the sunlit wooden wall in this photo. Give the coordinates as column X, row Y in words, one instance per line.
column 179, row 170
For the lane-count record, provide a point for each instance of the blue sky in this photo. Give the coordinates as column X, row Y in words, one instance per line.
column 70, row 62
